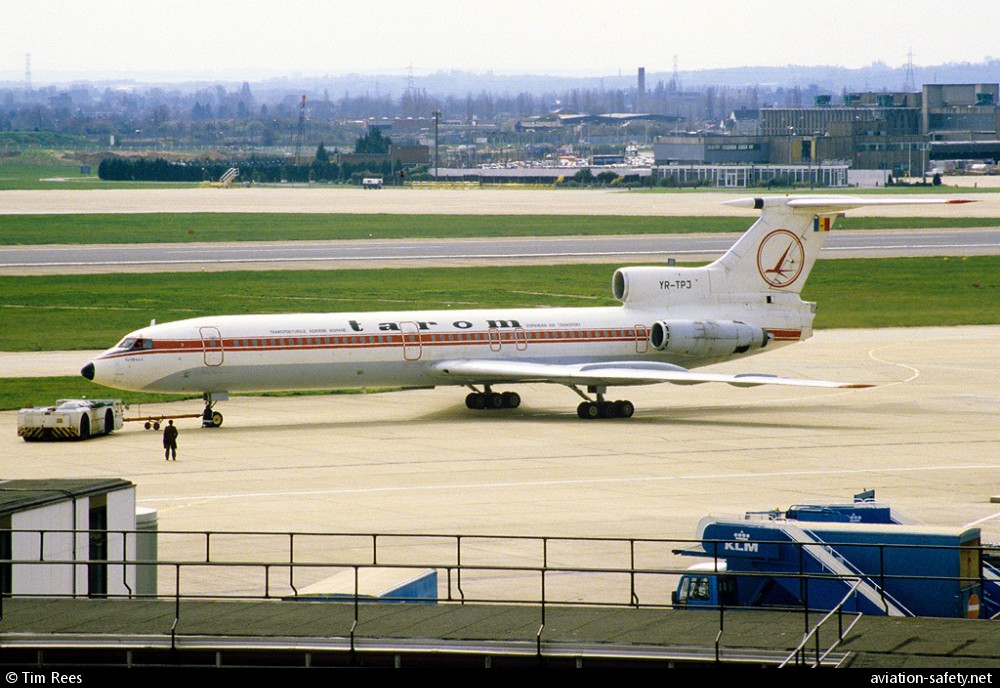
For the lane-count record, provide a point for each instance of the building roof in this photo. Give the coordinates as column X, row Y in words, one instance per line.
column 617, row 118
column 22, row 495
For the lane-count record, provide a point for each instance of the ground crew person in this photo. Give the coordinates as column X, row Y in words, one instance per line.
column 170, row 441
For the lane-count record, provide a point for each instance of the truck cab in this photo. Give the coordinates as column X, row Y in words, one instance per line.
column 706, row 585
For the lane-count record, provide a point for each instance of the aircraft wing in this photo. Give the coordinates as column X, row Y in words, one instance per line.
column 610, row 373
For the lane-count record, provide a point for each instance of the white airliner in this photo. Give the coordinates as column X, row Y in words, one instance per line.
column 671, row 319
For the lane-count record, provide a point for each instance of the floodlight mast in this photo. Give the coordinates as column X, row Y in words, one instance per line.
column 300, row 134
column 437, row 117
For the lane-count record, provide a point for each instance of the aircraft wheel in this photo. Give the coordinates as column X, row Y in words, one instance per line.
column 216, row 419
column 147, row 425
column 156, row 426
column 626, row 410
column 494, row 400
column 511, row 400
column 588, row 410
column 475, row 401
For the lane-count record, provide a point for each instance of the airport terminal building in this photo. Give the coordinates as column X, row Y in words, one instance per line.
column 899, row 134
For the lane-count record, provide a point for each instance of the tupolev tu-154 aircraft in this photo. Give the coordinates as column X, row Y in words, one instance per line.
column 672, row 319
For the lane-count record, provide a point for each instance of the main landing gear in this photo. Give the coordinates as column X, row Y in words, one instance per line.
column 488, row 399
column 600, row 408
column 588, row 408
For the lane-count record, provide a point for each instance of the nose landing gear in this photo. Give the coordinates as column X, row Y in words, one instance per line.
column 209, row 417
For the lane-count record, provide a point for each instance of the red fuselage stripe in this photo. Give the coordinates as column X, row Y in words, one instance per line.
column 395, row 340
column 785, row 335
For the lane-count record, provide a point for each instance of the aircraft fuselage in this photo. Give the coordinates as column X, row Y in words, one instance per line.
column 254, row 353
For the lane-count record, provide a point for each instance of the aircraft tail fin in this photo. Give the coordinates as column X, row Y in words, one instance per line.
column 779, row 250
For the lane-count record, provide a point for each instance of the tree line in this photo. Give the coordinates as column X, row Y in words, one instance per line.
column 255, row 170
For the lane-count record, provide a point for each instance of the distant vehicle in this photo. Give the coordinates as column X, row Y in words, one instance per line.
column 70, row 419
column 371, row 183
column 982, row 168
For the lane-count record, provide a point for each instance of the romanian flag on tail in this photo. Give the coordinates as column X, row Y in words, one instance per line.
column 821, row 224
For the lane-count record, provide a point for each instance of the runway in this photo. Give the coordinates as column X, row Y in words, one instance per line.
column 305, row 255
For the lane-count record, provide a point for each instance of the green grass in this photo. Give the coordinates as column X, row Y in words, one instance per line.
column 94, row 311
column 32, row 168
column 26, row 175
column 41, row 313
column 915, row 222
column 45, row 179
column 29, row 159
column 209, row 227
column 214, row 227
column 906, row 292
column 17, row 393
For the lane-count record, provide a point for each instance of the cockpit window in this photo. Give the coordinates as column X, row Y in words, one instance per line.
column 135, row 344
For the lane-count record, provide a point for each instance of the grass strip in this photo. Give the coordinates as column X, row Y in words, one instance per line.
column 17, row 393
column 57, row 312
column 21, row 392
column 158, row 228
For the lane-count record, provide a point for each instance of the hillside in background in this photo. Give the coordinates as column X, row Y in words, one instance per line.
column 878, row 76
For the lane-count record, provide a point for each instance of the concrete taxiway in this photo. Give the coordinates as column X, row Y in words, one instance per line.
column 466, row 201
column 926, row 438
column 381, row 253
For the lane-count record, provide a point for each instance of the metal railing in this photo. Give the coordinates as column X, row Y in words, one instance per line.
column 476, row 569
column 798, row 656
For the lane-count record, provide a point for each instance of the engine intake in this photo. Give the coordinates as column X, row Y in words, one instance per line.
column 706, row 337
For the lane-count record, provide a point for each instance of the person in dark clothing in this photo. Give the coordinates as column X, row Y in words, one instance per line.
column 170, row 441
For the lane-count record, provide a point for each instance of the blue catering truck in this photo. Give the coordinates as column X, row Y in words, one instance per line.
column 862, row 555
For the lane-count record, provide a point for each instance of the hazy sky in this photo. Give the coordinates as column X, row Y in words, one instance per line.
column 241, row 38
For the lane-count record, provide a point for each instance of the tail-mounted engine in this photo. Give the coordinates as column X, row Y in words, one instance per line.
column 706, row 337
column 658, row 283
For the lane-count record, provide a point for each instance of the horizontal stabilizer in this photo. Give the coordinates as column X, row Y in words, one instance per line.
column 833, row 204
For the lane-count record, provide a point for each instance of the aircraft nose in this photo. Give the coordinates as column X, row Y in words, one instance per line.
column 88, row 371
